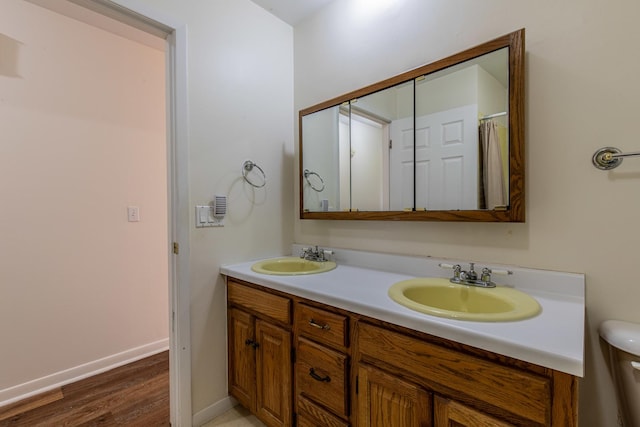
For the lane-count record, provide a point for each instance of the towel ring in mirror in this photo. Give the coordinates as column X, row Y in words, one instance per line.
column 307, row 173
column 247, row 167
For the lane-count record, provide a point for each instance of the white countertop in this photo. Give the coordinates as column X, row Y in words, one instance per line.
column 553, row 339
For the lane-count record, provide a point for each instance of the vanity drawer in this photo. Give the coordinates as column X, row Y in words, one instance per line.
column 454, row 373
column 321, row 375
column 265, row 303
column 321, row 325
column 312, row 415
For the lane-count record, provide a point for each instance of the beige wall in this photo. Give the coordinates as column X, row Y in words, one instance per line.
column 582, row 91
column 240, row 61
column 241, row 97
column 82, row 119
column 240, row 77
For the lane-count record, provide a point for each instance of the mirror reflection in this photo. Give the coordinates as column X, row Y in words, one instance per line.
column 461, row 138
column 381, row 134
column 321, row 185
column 438, row 141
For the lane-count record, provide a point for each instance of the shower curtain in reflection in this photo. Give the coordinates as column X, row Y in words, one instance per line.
column 492, row 192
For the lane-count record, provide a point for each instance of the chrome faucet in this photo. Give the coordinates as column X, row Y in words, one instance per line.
column 470, row 277
column 317, row 254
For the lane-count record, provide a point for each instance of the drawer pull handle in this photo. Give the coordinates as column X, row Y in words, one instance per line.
column 252, row 343
column 317, row 377
column 319, row 326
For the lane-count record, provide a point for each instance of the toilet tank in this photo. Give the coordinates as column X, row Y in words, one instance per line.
column 624, row 353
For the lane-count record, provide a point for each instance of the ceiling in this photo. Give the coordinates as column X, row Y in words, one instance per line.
column 292, row 11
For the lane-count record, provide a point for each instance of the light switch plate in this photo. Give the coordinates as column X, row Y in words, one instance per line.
column 205, row 218
column 133, row 213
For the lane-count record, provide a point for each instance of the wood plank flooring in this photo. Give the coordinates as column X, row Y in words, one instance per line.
column 134, row 395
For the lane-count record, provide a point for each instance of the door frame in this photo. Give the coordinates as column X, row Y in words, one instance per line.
column 178, row 189
column 146, row 18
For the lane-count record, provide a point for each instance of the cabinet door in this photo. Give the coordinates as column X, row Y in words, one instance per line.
column 386, row 400
column 242, row 369
column 273, row 372
column 449, row 413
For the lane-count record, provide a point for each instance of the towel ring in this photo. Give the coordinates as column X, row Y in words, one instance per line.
column 247, row 167
column 608, row 158
column 306, row 174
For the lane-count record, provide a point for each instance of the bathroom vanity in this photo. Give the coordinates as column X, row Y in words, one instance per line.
column 332, row 349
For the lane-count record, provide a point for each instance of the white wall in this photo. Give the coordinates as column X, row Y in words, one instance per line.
column 582, row 91
column 322, row 157
column 367, row 178
column 240, row 77
column 82, row 119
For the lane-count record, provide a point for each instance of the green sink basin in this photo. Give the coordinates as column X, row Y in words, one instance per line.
column 292, row 266
column 439, row 297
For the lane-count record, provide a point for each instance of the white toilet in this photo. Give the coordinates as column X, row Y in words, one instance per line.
column 624, row 353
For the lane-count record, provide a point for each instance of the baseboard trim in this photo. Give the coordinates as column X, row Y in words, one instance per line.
column 212, row 411
column 41, row 385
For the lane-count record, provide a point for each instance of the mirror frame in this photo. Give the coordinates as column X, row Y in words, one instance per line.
column 515, row 211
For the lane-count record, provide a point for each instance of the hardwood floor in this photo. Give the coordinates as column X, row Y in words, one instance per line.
column 136, row 394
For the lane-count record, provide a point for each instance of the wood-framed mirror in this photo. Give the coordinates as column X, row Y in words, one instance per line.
column 442, row 142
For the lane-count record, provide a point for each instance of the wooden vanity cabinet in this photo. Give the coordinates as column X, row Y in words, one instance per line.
column 449, row 413
column 387, row 400
column 352, row 370
column 260, row 367
column 310, row 414
column 445, row 384
column 322, row 367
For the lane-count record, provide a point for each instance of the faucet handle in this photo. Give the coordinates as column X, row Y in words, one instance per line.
column 487, row 272
column 457, row 269
column 451, row 266
column 322, row 254
column 486, row 275
column 501, row 272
